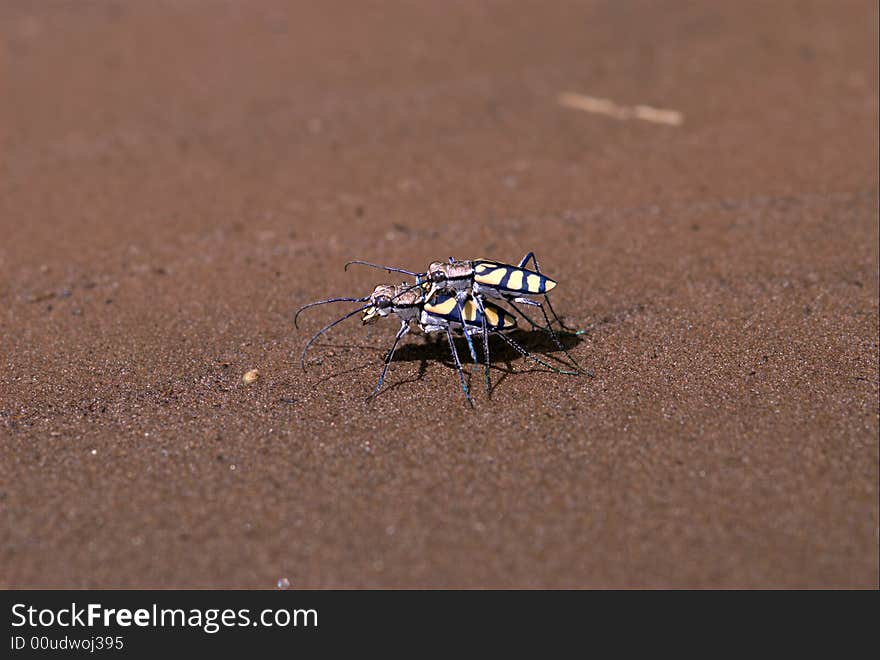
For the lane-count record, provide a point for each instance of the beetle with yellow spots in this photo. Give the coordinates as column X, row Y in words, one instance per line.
column 484, row 278
column 489, row 278
column 444, row 313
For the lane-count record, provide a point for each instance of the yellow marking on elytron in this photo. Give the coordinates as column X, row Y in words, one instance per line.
column 549, row 284
column 484, row 268
column 501, row 318
column 492, row 278
column 533, row 283
column 442, row 309
column 515, row 282
column 492, row 317
column 470, row 311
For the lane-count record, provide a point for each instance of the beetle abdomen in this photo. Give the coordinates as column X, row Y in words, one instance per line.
column 511, row 278
column 446, row 308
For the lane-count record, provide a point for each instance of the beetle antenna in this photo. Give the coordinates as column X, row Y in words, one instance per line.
column 389, row 269
column 302, row 358
column 324, row 302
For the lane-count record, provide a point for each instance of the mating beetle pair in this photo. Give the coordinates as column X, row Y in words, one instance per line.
column 452, row 297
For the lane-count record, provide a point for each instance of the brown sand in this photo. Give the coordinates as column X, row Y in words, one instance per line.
column 177, row 178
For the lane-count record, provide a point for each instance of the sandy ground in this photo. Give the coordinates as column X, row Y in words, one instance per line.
column 177, row 178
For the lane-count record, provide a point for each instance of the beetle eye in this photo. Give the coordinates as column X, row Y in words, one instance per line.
column 383, row 301
column 438, row 276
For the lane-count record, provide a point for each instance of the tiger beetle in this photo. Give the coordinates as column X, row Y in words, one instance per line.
column 483, row 278
column 444, row 313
